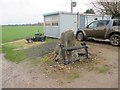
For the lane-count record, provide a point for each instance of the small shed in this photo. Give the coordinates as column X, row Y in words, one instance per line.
column 57, row 22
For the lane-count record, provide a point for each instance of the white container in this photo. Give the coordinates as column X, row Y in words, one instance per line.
column 58, row 22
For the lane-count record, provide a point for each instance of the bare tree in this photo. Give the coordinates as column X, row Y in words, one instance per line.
column 107, row 7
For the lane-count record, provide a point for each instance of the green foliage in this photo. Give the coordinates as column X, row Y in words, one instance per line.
column 10, row 33
column 13, row 55
column 90, row 11
column 116, row 16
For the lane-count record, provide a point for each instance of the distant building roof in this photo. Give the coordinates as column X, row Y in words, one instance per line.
column 58, row 12
column 61, row 12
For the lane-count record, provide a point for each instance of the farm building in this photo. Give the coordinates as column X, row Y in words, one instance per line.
column 58, row 22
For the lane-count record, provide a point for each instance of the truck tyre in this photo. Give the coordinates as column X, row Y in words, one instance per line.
column 115, row 40
column 80, row 36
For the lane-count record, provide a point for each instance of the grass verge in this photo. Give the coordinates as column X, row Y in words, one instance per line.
column 12, row 54
column 0, row 49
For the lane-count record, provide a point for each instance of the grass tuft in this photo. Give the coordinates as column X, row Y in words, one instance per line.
column 74, row 75
column 102, row 69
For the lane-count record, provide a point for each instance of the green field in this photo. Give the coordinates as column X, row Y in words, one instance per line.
column 10, row 33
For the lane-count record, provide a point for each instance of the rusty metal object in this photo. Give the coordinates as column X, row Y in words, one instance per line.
column 65, row 50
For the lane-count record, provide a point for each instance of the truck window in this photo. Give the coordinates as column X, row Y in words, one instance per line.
column 102, row 23
column 116, row 23
column 92, row 25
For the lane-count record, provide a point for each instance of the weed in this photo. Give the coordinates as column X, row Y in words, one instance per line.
column 102, row 69
column 74, row 76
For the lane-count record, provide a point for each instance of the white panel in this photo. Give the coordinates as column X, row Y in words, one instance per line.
column 82, row 21
column 107, row 17
column 52, row 31
column 68, row 22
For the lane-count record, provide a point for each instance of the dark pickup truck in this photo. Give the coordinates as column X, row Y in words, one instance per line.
column 101, row 29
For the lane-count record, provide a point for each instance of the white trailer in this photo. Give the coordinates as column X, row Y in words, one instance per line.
column 58, row 22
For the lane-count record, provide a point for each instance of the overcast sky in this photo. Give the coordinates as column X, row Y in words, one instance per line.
column 31, row 11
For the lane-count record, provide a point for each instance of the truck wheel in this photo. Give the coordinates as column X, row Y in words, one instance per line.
column 115, row 40
column 80, row 36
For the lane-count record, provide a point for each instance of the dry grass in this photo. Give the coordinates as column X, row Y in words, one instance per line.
column 24, row 45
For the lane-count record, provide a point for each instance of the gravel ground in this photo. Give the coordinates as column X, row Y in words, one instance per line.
column 24, row 75
column 41, row 50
